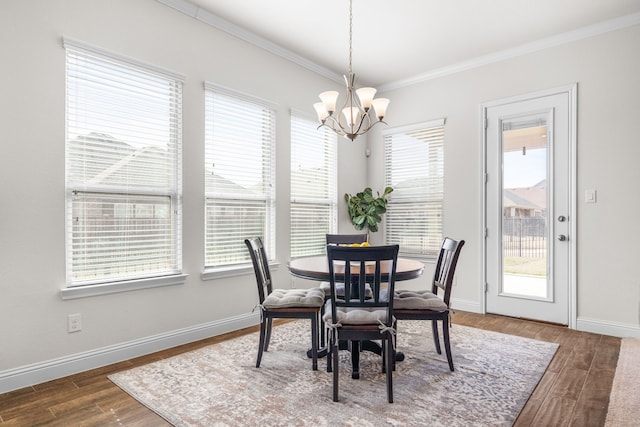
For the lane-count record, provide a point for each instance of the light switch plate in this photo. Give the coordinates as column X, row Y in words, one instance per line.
column 589, row 196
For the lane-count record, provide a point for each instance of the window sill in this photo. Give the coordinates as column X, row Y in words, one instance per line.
column 238, row 270
column 124, row 286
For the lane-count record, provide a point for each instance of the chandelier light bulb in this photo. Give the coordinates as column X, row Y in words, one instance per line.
column 321, row 110
column 366, row 94
column 329, row 99
column 380, row 107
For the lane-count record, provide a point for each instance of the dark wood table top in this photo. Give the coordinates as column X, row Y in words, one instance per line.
column 317, row 268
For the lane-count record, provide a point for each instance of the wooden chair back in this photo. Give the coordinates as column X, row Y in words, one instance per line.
column 260, row 266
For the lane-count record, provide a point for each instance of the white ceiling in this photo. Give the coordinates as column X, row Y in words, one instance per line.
column 400, row 40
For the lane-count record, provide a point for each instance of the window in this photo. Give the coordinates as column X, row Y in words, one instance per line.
column 313, row 186
column 414, row 167
column 239, row 176
column 123, row 142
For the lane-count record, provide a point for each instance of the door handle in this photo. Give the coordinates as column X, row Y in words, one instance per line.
column 562, row 237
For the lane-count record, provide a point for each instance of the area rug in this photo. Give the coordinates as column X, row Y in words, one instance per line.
column 624, row 402
column 219, row 385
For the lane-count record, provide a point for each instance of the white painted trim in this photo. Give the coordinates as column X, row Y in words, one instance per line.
column 194, row 11
column 614, row 329
column 83, row 291
column 233, row 271
column 546, row 43
column 70, row 43
column 48, row 370
column 466, row 305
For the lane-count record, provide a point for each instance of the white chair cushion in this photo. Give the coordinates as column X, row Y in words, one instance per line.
column 356, row 316
column 282, row 298
column 418, row 300
column 326, row 287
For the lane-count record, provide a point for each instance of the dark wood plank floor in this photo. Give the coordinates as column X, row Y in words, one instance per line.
column 573, row 392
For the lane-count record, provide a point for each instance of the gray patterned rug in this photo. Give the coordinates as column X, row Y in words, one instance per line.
column 220, row 386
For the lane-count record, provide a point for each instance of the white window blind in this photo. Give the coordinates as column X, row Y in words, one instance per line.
column 239, row 175
column 123, row 142
column 313, row 186
column 414, row 167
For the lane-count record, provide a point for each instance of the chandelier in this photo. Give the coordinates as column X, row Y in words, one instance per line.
column 356, row 116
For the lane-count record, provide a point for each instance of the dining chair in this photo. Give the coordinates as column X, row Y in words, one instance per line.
column 340, row 239
column 354, row 317
column 428, row 305
column 282, row 303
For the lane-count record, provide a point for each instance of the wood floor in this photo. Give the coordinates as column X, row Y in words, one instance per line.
column 574, row 391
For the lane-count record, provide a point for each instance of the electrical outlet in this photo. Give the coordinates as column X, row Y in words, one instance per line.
column 74, row 323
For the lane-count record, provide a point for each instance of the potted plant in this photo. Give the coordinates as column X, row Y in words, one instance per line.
column 365, row 210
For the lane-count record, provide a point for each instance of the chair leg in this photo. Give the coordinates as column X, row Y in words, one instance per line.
column 261, row 342
column 447, row 344
column 383, row 353
column 390, row 357
column 355, row 359
column 436, row 337
column 268, row 337
column 322, row 334
column 334, row 351
column 395, row 326
column 314, row 341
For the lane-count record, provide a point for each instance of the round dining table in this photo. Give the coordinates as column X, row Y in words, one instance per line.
column 317, row 268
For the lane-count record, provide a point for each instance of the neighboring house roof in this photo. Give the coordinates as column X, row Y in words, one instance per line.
column 528, row 198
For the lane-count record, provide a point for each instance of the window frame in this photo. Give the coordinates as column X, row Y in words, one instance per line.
column 395, row 199
column 268, row 197
column 316, row 244
column 102, row 191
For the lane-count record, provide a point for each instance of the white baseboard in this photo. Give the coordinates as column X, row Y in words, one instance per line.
column 465, row 305
column 595, row 326
column 37, row 373
column 614, row 329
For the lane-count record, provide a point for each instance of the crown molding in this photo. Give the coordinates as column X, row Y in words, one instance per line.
column 546, row 43
column 190, row 9
column 217, row 22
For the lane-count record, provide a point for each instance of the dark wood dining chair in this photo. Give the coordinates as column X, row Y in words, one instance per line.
column 354, row 317
column 282, row 303
column 339, row 239
column 427, row 304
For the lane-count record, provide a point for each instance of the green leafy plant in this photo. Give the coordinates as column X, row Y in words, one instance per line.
column 365, row 210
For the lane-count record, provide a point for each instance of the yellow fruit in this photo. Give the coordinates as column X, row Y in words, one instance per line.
column 365, row 244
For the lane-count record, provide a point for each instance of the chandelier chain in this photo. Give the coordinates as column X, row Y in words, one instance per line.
column 350, row 34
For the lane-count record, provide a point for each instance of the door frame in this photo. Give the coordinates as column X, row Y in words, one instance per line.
column 572, row 91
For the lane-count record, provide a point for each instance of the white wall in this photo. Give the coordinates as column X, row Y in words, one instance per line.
column 33, row 331
column 607, row 70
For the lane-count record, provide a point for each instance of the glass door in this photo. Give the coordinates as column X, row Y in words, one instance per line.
column 527, row 254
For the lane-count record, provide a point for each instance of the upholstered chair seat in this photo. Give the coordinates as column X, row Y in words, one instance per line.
column 283, row 298
column 355, row 316
column 418, row 300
